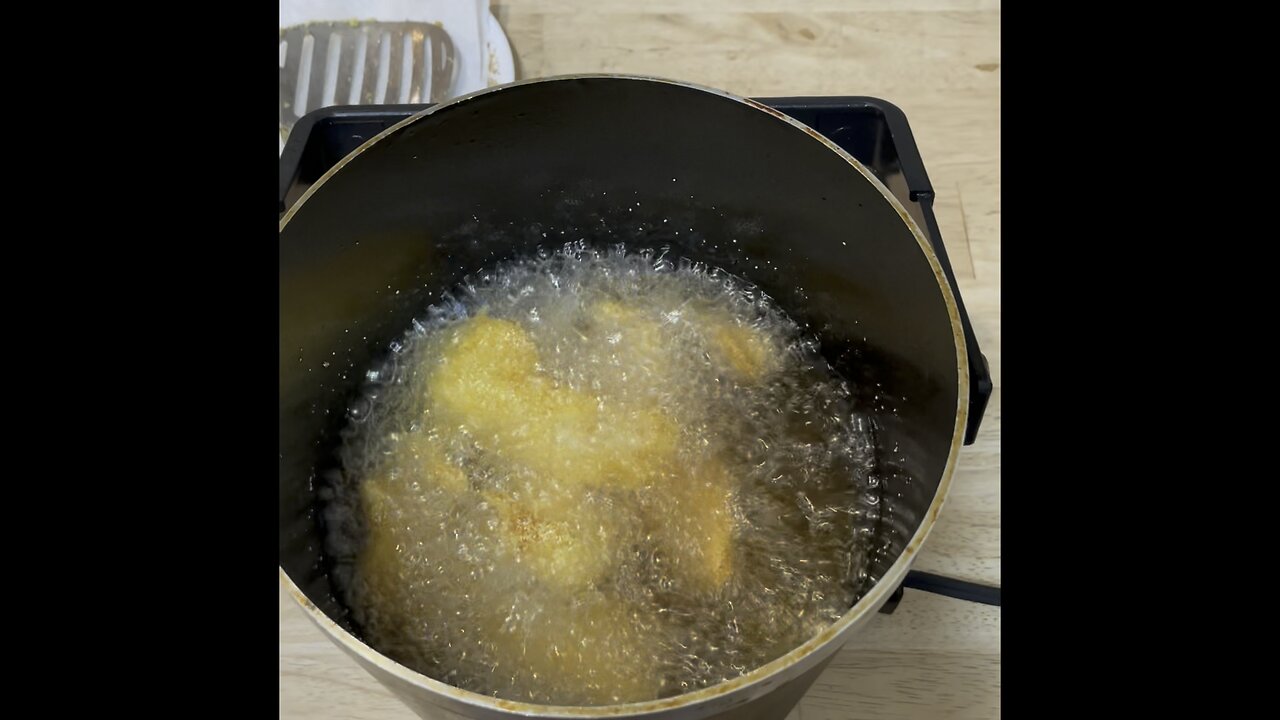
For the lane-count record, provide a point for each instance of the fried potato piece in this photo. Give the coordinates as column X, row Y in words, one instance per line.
column 698, row 536
column 487, row 379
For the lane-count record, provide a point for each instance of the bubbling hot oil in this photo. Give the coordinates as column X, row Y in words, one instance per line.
column 600, row 477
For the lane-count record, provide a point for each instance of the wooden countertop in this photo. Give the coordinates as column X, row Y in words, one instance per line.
column 939, row 60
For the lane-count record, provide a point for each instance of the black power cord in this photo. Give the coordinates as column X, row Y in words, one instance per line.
column 942, row 585
column 951, row 587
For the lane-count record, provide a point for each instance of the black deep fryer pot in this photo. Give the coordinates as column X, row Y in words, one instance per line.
column 872, row 130
column 313, row 408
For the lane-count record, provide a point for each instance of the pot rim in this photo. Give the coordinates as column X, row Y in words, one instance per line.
column 809, row 650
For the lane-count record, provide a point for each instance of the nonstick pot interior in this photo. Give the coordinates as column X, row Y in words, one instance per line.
column 609, row 160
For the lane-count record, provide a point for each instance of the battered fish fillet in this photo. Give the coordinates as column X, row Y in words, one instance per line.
column 487, row 380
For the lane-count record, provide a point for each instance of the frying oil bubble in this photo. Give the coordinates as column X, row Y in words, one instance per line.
column 597, row 477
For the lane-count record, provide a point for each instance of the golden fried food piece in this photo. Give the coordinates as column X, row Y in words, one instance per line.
column 394, row 510
column 486, row 376
column 592, row 651
column 561, row 537
column 383, row 561
column 698, row 536
column 487, row 380
column 423, row 456
column 637, row 334
column 745, row 350
column 739, row 348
